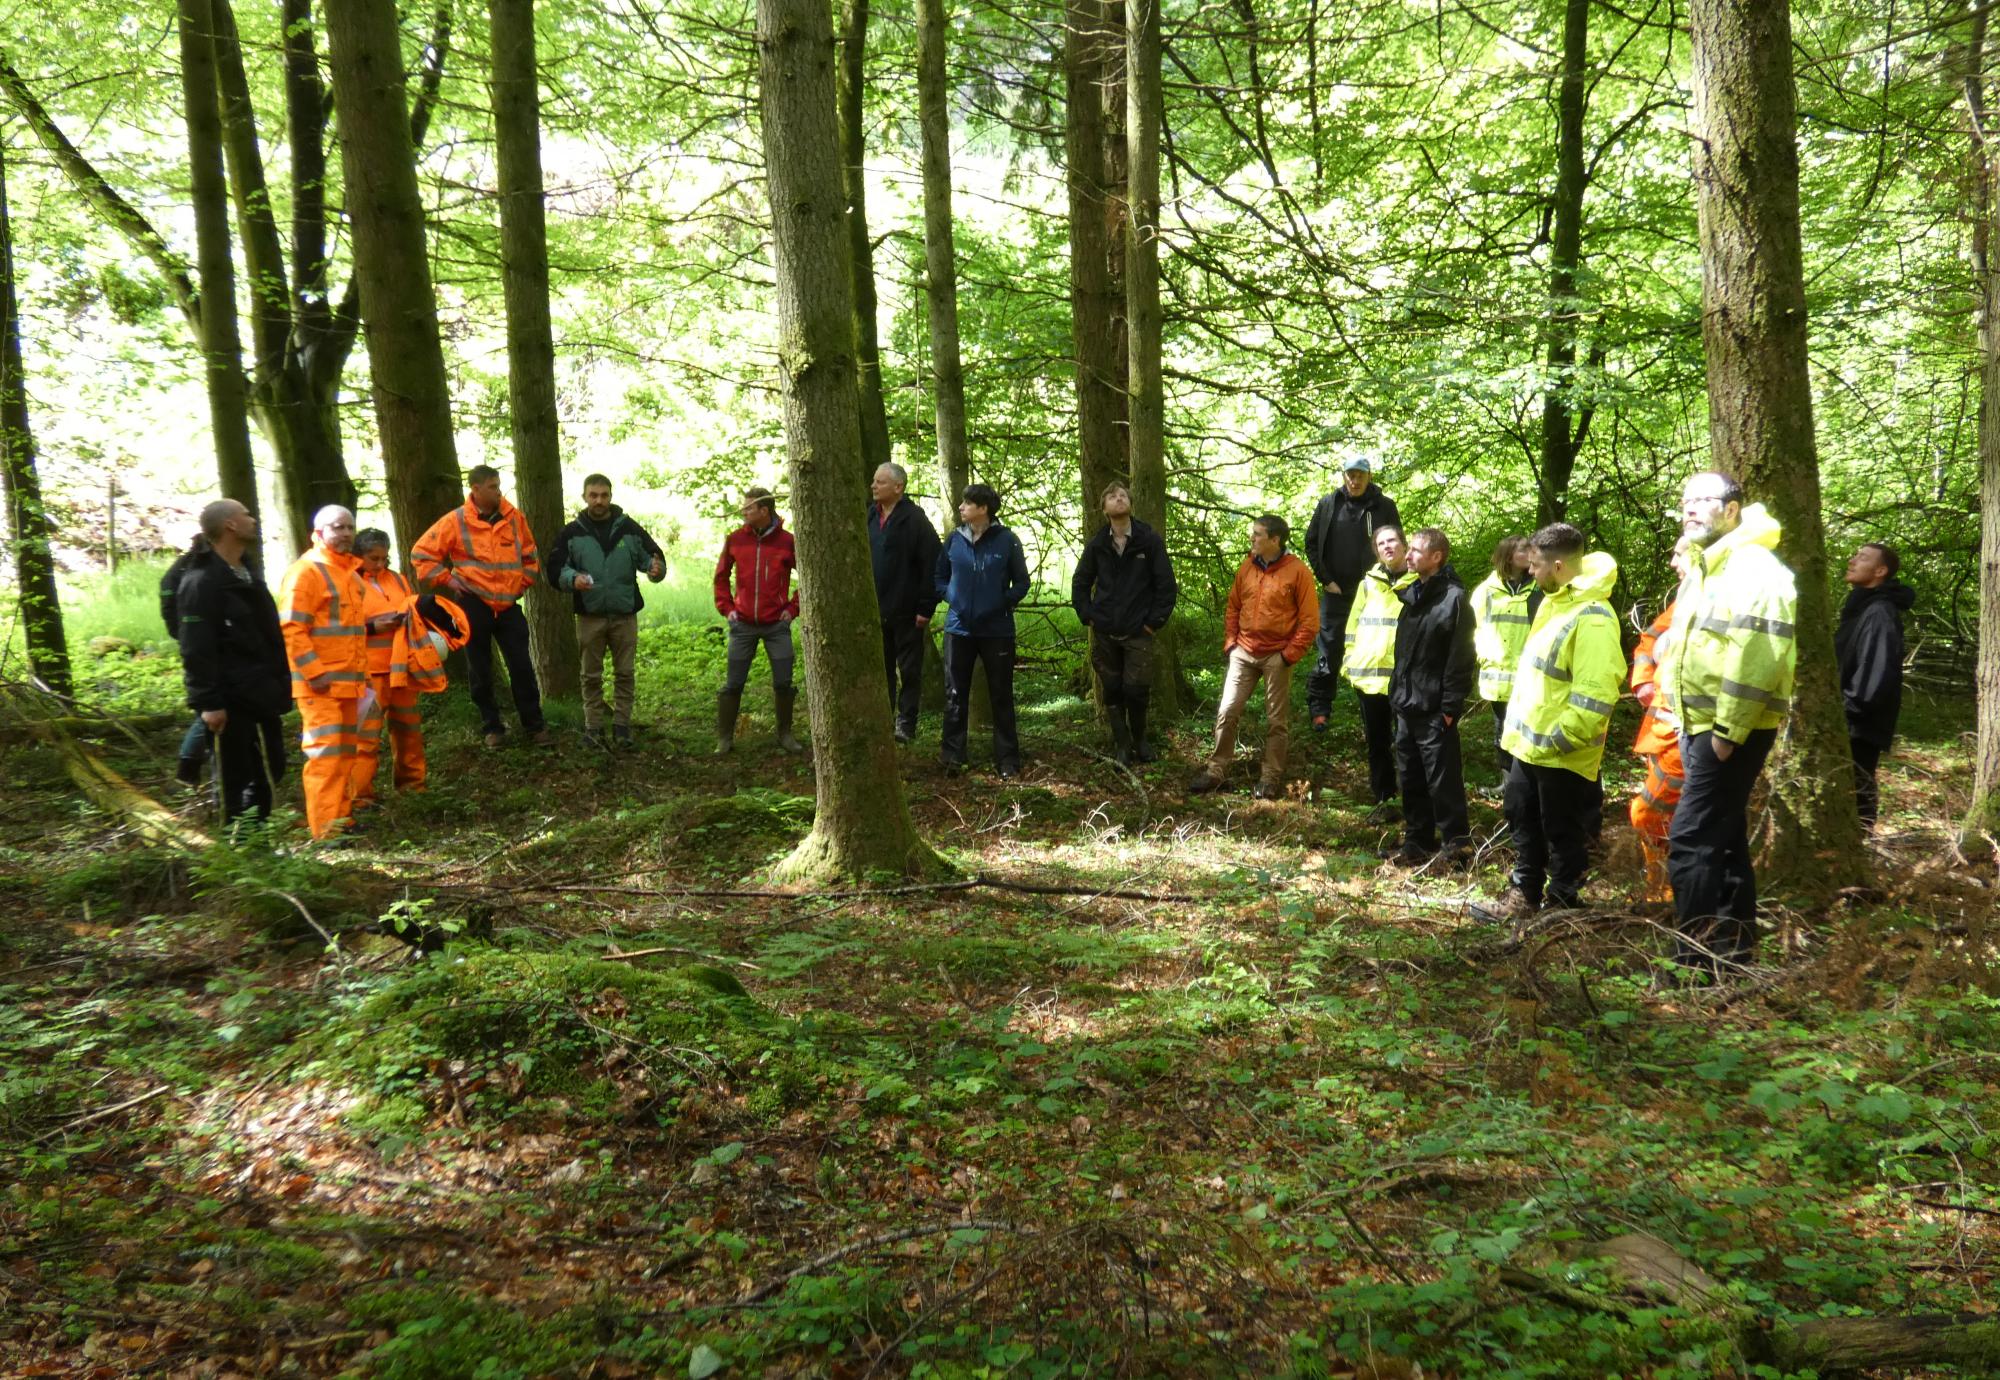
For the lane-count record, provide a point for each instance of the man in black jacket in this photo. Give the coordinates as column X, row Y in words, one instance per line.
column 905, row 548
column 1869, row 646
column 1340, row 547
column 1124, row 592
column 1435, row 669
column 233, row 658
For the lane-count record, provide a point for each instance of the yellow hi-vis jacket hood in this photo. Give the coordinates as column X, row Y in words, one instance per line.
column 1735, row 636
column 1369, row 657
column 1570, row 673
column 1499, row 626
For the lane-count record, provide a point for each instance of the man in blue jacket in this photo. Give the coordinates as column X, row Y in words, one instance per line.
column 1124, row 592
column 982, row 572
column 905, row 550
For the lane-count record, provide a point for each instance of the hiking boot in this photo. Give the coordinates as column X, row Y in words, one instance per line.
column 1121, row 735
column 622, row 735
column 905, row 734
column 1008, row 770
column 726, row 704
column 1268, row 790
column 495, row 737
column 787, row 698
column 1408, row 854
column 953, row 767
column 1135, row 718
column 1457, row 855
column 594, row 737
column 1204, row 781
column 1509, row 907
column 1319, row 723
column 541, row 737
column 1385, row 812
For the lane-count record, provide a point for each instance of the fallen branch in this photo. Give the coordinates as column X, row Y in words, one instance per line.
column 887, row 1238
column 909, row 889
column 110, row 792
column 101, row 1113
column 626, row 956
column 1650, row 1268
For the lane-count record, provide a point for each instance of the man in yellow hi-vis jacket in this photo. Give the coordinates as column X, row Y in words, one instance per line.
column 1566, row 680
column 1727, row 680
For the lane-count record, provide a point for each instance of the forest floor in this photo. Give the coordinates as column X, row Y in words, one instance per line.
column 1298, row 1113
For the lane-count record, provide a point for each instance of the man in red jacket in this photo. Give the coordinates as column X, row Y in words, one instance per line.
column 760, row 608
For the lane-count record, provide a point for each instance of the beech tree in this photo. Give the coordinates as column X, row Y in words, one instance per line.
column 27, row 520
column 1760, row 411
column 1984, row 814
column 940, row 257
column 862, row 822
column 851, row 104
column 398, row 302
column 531, row 351
column 208, row 194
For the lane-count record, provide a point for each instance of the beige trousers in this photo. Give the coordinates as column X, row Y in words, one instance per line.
column 617, row 633
column 1245, row 671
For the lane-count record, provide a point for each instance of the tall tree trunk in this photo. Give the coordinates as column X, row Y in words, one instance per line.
column 1746, row 170
column 861, row 253
column 531, row 350
column 1095, row 299
column 398, row 303
column 862, row 822
column 940, row 260
column 1984, row 816
column 221, row 347
column 311, row 472
column 1560, row 440
column 1145, row 390
column 27, row 520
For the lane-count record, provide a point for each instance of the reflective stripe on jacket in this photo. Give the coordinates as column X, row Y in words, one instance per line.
column 319, row 611
column 1272, row 608
column 380, row 594
column 1369, row 658
column 415, row 657
column 1500, row 626
column 497, row 560
column 1568, row 678
column 1735, row 634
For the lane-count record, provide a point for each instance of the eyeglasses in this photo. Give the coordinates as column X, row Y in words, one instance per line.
column 1692, row 500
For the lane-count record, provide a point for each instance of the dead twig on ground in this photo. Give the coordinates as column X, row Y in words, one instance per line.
column 888, row 1238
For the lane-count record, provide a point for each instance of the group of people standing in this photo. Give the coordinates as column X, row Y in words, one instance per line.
column 353, row 646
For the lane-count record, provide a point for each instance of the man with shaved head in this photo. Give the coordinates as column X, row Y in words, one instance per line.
column 320, row 606
column 233, row 657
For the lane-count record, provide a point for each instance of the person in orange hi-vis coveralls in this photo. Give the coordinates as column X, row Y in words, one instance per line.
column 385, row 597
column 319, row 611
column 1658, row 745
column 483, row 558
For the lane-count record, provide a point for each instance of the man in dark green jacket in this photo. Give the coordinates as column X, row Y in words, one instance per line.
column 598, row 559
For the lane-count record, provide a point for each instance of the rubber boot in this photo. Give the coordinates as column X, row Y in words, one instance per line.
column 1121, row 735
column 727, row 703
column 786, row 699
column 1135, row 717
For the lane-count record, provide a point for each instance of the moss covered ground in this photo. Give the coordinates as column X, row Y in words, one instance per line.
column 557, row 1103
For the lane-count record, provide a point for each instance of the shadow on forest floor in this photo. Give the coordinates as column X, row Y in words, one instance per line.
column 587, row 1116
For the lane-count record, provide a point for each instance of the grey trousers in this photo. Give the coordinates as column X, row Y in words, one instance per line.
column 743, row 640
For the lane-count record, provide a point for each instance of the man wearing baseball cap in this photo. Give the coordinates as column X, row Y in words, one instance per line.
column 1340, row 547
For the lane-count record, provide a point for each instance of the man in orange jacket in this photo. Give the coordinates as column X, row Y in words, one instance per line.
column 385, row 596
column 319, row 612
column 483, row 558
column 1270, row 622
column 1658, row 745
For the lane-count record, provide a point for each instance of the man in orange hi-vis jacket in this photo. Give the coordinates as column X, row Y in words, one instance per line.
column 319, row 612
column 1658, row 745
column 386, row 596
column 483, row 558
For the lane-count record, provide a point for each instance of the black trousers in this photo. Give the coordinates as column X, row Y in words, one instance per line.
column 1378, row 726
column 251, row 752
column 509, row 630
column 1502, row 758
column 1331, row 646
column 1433, row 778
column 1708, row 851
column 996, row 654
column 1867, row 794
column 1548, row 813
column 903, row 660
